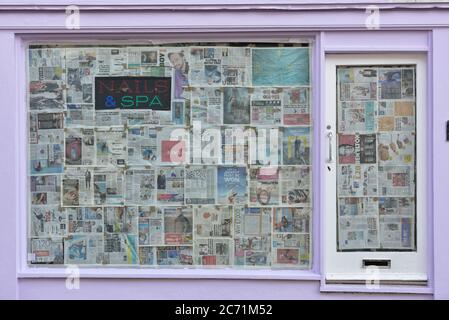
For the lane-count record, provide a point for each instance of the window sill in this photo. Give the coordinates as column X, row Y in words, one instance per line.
column 185, row 273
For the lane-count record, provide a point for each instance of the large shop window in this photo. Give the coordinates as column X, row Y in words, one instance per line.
column 180, row 155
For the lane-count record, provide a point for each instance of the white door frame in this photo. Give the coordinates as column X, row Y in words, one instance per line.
column 347, row 266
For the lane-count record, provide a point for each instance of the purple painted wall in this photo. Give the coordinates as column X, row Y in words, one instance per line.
column 403, row 28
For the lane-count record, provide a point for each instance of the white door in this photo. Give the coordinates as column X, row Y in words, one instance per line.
column 375, row 182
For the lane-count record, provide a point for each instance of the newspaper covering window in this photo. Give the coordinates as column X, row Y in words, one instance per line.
column 376, row 158
column 193, row 155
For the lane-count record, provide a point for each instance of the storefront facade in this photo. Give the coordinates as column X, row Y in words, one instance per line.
column 400, row 47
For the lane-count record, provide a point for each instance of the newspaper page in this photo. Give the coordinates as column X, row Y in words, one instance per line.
column 206, row 145
column 178, row 225
column 264, row 145
column 396, row 115
column 80, row 63
column 360, row 232
column 111, row 147
column 80, row 147
column 147, row 256
column 200, row 185
column 292, row 220
column 170, row 185
column 264, row 186
column 396, row 148
column 291, row 250
column 46, row 95
column 296, row 146
column 46, row 251
column 357, row 84
column 108, row 187
column 47, row 217
column 397, row 223
column 46, row 140
column 120, row 224
column 80, row 115
column 142, row 146
column 296, row 106
column 111, row 61
column 357, row 116
column 295, row 186
column 266, row 106
column 108, row 118
column 85, row 220
column 207, row 105
column 252, row 228
column 235, row 145
column 232, row 185
column 151, row 226
column 83, row 249
column 213, row 221
column 178, row 60
column 46, row 64
column 357, row 148
column 213, row 251
column 358, row 180
column 396, row 181
column 280, row 66
column 77, row 187
column 140, row 187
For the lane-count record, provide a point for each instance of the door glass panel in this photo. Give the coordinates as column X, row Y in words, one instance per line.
column 376, row 205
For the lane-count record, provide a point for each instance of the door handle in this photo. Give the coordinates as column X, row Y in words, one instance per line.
column 329, row 136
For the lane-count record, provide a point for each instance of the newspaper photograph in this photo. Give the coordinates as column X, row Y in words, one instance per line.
column 140, row 187
column 147, row 256
column 236, row 105
column 108, row 187
column 357, row 116
column 173, row 145
column 396, row 148
column 170, row 185
column 213, row 221
column 264, row 186
column 174, row 256
column 83, row 249
column 280, row 66
column 46, row 251
column 396, row 181
column 357, row 148
column 177, row 59
column 111, row 147
column 296, row 106
column 231, row 185
column 77, row 187
column 291, row 250
column 396, row 116
column 178, row 225
column 213, row 251
column 358, row 180
column 266, row 106
column 295, row 186
column 292, row 220
column 200, row 185
column 296, row 143
column 390, row 83
column 178, row 112
column 80, row 147
column 80, row 115
column 142, row 146
column 207, row 105
column 46, row 95
column 85, row 220
column 151, row 226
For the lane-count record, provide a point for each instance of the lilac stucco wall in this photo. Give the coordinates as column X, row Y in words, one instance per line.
column 425, row 31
